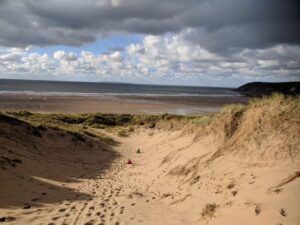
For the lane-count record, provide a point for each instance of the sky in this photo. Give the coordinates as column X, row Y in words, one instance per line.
column 182, row 42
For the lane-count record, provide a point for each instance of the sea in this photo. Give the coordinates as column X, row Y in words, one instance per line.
column 182, row 100
column 102, row 88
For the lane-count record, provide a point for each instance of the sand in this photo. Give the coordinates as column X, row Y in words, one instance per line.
column 115, row 104
column 73, row 186
column 178, row 176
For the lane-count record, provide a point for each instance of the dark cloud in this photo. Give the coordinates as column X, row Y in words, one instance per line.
column 230, row 25
column 218, row 25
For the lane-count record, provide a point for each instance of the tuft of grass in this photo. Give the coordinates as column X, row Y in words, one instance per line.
column 209, row 210
column 275, row 98
column 130, row 129
column 231, row 108
column 202, row 120
column 123, row 133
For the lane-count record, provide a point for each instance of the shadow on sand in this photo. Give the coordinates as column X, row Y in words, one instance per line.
column 36, row 165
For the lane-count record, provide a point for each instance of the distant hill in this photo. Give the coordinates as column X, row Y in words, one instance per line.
column 257, row 89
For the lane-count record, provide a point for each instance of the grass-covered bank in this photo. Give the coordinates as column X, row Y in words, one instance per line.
column 226, row 121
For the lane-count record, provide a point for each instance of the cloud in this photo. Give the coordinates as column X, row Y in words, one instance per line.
column 116, row 56
column 216, row 25
column 181, row 39
column 21, row 61
column 169, row 58
column 61, row 55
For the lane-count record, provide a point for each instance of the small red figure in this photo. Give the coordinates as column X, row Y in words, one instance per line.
column 129, row 161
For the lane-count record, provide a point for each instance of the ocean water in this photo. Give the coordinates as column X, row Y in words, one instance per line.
column 95, row 89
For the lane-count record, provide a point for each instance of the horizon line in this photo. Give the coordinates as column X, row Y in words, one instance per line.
column 118, row 82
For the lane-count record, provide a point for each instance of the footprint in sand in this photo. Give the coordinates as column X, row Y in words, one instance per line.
column 122, row 210
column 62, row 210
column 230, row 186
column 283, row 212
column 277, row 190
column 257, row 210
column 55, row 218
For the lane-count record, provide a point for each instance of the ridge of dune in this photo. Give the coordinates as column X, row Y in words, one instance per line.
column 240, row 166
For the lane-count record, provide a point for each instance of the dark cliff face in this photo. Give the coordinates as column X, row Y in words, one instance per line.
column 258, row 89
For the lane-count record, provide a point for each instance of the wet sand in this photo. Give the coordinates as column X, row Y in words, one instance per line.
column 185, row 105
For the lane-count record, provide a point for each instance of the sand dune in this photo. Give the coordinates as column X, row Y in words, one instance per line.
column 238, row 167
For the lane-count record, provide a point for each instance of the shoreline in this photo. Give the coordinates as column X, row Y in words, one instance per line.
column 132, row 104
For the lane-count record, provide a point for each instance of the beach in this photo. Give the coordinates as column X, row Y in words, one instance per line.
column 110, row 158
column 149, row 112
column 240, row 166
column 135, row 104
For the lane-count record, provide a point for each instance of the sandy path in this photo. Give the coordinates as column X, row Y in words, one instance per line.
column 144, row 192
column 120, row 195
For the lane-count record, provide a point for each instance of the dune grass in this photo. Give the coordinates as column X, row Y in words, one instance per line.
column 90, row 124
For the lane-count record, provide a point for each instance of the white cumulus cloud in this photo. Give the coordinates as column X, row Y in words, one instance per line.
column 61, row 55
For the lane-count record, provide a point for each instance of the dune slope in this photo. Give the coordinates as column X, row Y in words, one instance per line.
column 240, row 166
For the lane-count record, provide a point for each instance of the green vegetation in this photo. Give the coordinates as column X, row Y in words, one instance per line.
column 233, row 108
column 91, row 124
column 95, row 125
column 94, row 120
column 202, row 120
column 125, row 132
